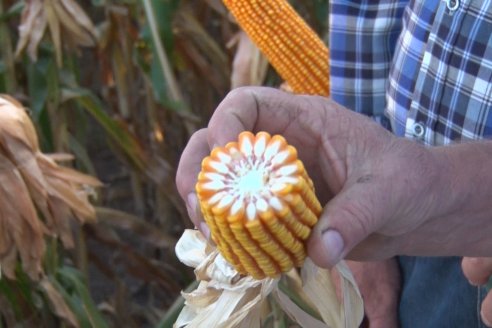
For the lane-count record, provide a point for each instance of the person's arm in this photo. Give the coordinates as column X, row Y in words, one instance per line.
column 384, row 195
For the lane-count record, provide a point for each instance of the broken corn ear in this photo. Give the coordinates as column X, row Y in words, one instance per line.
column 295, row 51
column 259, row 203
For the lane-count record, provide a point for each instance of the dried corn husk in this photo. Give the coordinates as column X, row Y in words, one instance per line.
column 31, row 183
column 226, row 299
column 249, row 66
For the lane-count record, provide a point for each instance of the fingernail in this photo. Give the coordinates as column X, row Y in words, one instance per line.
column 203, row 227
column 333, row 243
column 191, row 206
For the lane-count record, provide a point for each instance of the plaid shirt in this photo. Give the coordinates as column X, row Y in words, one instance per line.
column 426, row 65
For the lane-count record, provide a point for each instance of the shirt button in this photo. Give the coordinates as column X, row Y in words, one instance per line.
column 452, row 5
column 418, row 130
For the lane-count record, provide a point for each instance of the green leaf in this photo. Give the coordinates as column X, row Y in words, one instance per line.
column 10, row 295
column 19, row 293
column 14, row 10
column 81, row 155
column 37, row 75
column 321, row 10
column 42, row 88
column 164, row 12
column 69, row 282
column 44, row 126
column 488, row 286
column 115, row 131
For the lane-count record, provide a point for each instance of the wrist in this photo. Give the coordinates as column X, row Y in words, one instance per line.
column 458, row 221
column 465, row 179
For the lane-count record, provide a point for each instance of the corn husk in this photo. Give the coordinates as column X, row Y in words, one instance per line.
column 249, row 66
column 30, row 183
column 226, row 299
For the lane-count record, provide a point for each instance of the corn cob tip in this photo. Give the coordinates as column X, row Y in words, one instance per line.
column 259, row 203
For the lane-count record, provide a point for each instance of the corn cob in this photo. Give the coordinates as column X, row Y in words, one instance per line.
column 290, row 45
column 259, row 203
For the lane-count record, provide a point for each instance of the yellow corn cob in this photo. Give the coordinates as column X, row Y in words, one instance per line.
column 291, row 46
column 259, row 203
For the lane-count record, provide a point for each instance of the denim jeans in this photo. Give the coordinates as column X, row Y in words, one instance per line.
column 436, row 294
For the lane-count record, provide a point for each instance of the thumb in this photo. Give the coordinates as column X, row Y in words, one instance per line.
column 348, row 219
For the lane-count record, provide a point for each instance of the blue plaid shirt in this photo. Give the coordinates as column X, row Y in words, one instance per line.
column 425, row 69
column 425, row 65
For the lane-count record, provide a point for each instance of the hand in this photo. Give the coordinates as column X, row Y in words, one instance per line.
column 478, row 271
column 384, row 195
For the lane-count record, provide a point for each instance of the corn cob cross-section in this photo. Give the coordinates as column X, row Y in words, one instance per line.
column 259, row 203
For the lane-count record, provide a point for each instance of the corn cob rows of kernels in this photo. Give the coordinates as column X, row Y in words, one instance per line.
column 259, row 203
column 291, row 46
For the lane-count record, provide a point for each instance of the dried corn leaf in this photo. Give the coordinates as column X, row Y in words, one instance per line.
column 76, row 21
column 31, row 182
column 31, row 29
column 61, row 16
column 136, row 225
column 296, row 313
column 20, row 228
column 16, row 123
column 203, row 50
column 224, row 298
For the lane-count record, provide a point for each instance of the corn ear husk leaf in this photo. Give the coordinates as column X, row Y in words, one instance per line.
column 296, row 313
column 321, row 291
column 249, row 66
column 191, row 248
column 224, row 298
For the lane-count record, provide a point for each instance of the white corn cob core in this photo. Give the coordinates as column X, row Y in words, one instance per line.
column 259, row 203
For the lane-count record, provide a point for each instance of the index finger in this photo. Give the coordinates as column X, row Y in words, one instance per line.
column 252, row 109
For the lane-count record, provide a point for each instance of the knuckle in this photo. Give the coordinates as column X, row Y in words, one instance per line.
column 240, row 93
column 360, row 215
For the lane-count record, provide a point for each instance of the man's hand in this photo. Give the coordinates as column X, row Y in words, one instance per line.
column 379, row 285
column 478, row 270
column 384, row 195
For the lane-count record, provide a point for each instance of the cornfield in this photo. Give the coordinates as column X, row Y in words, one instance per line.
column 114, row 89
